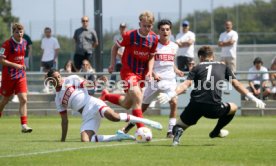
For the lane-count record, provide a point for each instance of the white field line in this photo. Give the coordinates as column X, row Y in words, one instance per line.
column 73, row 149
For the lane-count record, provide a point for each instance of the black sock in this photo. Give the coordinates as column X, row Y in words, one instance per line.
column 223, row 121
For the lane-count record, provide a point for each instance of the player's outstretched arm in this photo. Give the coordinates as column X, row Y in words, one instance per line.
column 166, row 97
column 64, row 125
column 242, row 90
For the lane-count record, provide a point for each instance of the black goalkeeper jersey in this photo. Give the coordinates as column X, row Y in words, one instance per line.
column 208, row 80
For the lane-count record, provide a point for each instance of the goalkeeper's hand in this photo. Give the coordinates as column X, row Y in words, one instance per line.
column 259, row 103
column 163, row 98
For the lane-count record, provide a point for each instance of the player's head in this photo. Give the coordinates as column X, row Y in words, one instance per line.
column 18, row 31
column 85, row 21
column 146, row 22
column 185, row 26
column 164, row 29
column 53, row 76
column 258, row 62
column 228, row 25
column 205, row 53
column 47, row 32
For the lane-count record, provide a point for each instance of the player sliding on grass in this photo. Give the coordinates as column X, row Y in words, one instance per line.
column 71, row 92
column 208, row 77
column 164, row 73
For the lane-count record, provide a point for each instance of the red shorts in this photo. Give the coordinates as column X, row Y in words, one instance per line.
column 10, row 87
column 131, row 80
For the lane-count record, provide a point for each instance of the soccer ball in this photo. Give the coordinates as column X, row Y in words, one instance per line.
column 143, row 134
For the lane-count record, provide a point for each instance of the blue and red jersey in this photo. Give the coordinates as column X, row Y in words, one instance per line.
column 138, row 49
column 14, row 52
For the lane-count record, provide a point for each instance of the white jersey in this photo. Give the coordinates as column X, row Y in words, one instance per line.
column 49, row 45
column 164, row 60
column 186, row 51
column 258, row 78
column 229, row 51
column 72, row 94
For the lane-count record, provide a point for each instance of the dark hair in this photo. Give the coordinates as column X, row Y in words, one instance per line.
column 47, row 29
column 74, row 69
column 205, row 51
column 51, row 72
column 257, row 60
column 164, row 22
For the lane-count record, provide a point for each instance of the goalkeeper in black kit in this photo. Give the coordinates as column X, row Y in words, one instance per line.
column 208, row 78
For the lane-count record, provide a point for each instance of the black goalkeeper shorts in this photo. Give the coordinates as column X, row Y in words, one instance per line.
column 194, row 111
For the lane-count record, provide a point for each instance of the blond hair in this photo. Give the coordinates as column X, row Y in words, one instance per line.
column 147, row 16
column 17, row 26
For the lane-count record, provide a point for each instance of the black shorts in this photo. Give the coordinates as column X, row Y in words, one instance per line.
column 47, row 65
column 194, row 111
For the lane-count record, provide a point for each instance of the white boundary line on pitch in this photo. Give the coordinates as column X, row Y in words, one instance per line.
column 72, row 149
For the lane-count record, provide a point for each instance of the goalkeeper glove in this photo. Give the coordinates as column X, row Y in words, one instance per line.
column 259, row 103
column 163, row 98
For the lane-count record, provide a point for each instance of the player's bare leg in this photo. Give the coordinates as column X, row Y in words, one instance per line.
column 222, row 122
column 172, row 118
column 23, row 112
column 3, row 103
column 111, row 115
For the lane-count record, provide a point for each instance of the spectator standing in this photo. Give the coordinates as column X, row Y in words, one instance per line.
column 28, row 52
column 185, row 40
column 50, row 48
column 85, row 41
column 14, row 80
column 258, row 81
column 228, row 42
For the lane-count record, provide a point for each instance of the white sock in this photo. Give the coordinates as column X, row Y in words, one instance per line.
column 104, row 138
column 172, row 122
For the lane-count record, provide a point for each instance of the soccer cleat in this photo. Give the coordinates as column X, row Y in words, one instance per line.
column 104, row 93
column 170, row 134
column 26, row 129
column 177, row 132
column 223, row 133
column 122, row 136
column 153, row 124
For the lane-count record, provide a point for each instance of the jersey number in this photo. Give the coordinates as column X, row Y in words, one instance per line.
column 209, row 72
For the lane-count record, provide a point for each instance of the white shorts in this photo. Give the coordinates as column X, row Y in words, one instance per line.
column 91, row 114
column 153, row 89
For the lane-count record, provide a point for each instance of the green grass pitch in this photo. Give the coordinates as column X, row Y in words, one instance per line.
column 252, row 141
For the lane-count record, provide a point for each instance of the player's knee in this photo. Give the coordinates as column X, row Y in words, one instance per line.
column 84, row 140
column 233, row 108
column 5, row 100
column 173, row 102
column 22, row 99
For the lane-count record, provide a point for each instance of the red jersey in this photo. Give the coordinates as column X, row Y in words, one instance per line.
column 138, row 49
column 14, row 52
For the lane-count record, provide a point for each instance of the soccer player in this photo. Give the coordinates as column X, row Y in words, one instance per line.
column 71, row 92
column 14, row 79
column 208, row 77
column 137, row 63
column 164, row 73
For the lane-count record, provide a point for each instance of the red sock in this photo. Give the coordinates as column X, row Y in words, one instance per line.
column 138, row 113
column 24, row 120
column 0, row 114
column 113, row 98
